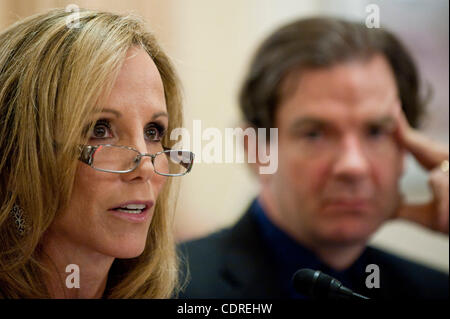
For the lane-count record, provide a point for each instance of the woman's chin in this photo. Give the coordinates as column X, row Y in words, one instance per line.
column 129, row 253
column 126, row 250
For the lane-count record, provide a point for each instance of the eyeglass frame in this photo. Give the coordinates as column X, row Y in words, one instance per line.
column 88, row 151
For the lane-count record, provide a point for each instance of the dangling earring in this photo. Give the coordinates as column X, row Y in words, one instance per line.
column 19, row 219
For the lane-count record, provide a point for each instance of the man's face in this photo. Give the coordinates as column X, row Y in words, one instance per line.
column 339, row 162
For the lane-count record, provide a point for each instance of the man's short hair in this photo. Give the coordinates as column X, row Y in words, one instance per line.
column 323, row 42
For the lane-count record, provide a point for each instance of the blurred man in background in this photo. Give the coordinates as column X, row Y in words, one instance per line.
column 345, row 99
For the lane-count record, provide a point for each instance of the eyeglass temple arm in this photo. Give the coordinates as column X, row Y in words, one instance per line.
column 189, row 165
column 86, row 152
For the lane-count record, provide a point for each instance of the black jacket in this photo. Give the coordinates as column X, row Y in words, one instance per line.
column 234, row 263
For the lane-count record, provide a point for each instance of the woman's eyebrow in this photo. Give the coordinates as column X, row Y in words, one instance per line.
column 158, row 114
column 118, row 114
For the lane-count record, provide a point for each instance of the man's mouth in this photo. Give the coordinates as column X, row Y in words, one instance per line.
column 348, row 203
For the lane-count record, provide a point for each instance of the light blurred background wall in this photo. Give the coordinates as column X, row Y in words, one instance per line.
column 211, row 43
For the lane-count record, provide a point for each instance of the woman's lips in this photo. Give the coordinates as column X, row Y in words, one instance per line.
column 133, row 217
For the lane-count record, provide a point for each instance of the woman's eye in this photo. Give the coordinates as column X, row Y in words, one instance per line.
column 154, row 132
column 101, row 129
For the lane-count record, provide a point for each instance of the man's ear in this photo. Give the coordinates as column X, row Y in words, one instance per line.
column 252, row 159
column 250, row 146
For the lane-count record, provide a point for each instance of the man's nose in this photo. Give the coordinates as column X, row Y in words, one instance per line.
column 351, row 162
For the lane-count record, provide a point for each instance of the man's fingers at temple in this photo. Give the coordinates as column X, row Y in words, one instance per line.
column 440, row 186
column 428, row 153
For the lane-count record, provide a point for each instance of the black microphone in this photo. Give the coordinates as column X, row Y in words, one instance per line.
column 316, row 284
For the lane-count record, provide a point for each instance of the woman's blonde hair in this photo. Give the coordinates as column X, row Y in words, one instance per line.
column 52, row 75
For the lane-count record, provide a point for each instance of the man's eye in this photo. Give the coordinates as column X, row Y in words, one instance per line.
column 312, row 135
column 376, row 131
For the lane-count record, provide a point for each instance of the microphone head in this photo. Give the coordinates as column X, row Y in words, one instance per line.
column 314, row 283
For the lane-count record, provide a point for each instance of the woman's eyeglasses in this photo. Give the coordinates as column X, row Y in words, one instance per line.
column 124, row 159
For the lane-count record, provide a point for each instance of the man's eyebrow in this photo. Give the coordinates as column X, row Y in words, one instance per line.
column 308, row 121
column 387, row 120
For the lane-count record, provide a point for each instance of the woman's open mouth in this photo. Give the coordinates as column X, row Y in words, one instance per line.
column 135, row 211
column 132, row 209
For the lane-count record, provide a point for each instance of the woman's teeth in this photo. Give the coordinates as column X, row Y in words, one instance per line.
column 129, row 211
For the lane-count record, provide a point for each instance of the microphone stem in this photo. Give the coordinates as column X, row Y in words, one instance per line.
column 360, row 296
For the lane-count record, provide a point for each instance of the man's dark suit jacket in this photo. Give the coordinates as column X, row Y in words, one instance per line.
column 234, row 263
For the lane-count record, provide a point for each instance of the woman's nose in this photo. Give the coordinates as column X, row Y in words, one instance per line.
column 145, row 168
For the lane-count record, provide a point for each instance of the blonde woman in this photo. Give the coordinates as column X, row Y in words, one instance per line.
column 86, row 112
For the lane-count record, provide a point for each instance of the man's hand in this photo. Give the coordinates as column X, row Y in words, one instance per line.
column 434, row 158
